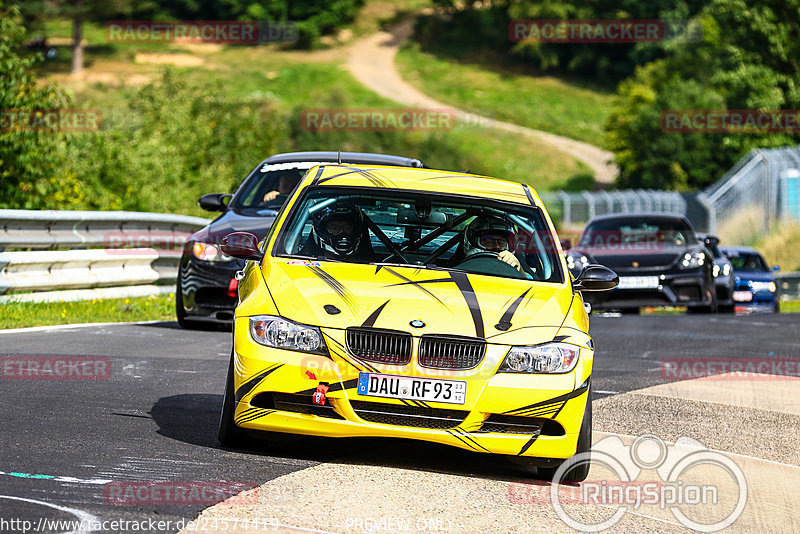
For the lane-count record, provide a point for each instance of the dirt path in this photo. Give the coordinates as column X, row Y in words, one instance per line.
column 371, row 62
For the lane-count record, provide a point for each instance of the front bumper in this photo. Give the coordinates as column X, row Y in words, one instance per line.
column 204, row 289
column 683, row 288
column 267, row 381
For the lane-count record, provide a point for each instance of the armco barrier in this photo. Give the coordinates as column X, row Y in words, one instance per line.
column 75, row 269
column 43, row 229
column 788, row 285
column 109, row 249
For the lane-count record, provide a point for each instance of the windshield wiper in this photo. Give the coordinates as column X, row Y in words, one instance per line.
column 390, row 264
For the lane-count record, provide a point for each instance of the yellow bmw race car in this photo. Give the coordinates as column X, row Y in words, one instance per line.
column 413, row 303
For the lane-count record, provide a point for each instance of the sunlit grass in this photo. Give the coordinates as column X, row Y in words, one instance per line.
column 22, row 314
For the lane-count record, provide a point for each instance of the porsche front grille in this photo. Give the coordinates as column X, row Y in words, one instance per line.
column 380, row 346
column 415, row 416
column 450, row 352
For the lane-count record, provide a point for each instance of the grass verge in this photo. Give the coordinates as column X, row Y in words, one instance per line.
column 544, row 103
column 25, row 314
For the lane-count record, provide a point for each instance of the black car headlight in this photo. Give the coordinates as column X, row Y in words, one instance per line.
column 209, row 252
column 547, row 358
column 281, row 333
column 693, row 260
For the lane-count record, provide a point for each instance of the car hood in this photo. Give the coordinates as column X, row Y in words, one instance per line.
column 231, row 221
column 447, row 302
column 624, row 257
column 754, row 277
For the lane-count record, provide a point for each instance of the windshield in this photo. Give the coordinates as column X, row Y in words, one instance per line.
column 419, row 229
column 269, row 187
column 747, row 262
column 633, row 231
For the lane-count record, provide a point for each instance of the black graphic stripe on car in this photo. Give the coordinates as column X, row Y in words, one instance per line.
column 505, row 320
column 417, row 284
column 370, row 321
column 319, row 173
column 248, row 386
column 527, row 445
column 470, row 438
column 462, row 440
column 334, row 284
column 462, row 282
column 253, row 417
column 528, row 194
column 556, row 400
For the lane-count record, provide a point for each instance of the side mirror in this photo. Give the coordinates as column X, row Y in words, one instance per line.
column 241, row 245
column 711, row 241
column 776, row 268
column 213, row 202
column 595, row 278
column 566, row 244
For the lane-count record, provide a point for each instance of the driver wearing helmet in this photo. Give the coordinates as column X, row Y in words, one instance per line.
column 491, row 233
column 338, row 231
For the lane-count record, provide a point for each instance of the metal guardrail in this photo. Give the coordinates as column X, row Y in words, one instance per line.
column 46, row 229
column 788, row 286
column 106, row 249
column 577, row 208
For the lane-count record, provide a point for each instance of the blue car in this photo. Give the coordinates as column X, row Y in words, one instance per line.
column 754, row 281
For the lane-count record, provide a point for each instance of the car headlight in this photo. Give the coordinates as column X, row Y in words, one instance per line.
column 281, row 333
column 547, row 358
column 763, row 286
column 716, row 271
column 577, row 262
column 693, row 259
column 209, row 252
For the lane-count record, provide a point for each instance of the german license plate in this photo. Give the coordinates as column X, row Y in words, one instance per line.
column 412, row 388
column 742, row 296
column 638, row 282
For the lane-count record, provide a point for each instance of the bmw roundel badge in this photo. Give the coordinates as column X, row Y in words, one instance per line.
column 416, row 323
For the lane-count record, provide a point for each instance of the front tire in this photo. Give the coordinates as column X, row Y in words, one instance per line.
column 579, row 472
column 229, row 434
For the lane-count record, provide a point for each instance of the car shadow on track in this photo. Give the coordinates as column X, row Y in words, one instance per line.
column 193, row 419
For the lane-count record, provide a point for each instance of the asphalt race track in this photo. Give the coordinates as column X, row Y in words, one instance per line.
column 155, row 419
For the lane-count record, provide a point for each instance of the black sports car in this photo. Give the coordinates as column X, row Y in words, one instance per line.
column 207, row 284
column 657, row 257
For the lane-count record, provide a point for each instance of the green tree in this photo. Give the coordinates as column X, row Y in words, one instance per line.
column 31, row 162
column 746, row 60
